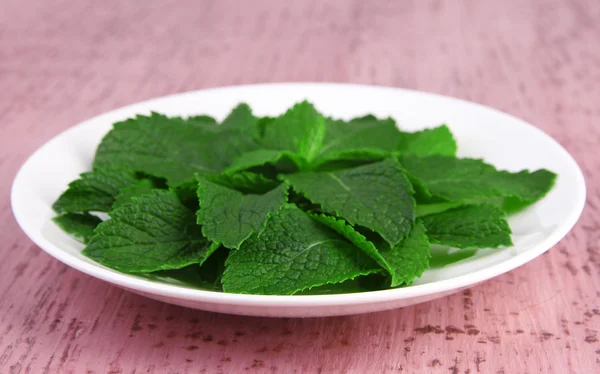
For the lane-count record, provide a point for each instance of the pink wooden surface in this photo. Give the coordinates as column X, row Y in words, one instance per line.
column 64, row 61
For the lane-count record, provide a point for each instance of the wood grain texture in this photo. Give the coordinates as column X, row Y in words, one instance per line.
column 64, row 61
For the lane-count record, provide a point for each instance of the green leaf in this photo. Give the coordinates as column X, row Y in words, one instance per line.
column 205, row 277
column 436, row 141
column 512, row 205
column 202, row 120
column 350, row 286
column 471, row 226
column 241, row 118
column 404, row 262
column 443, row 256
column 170, row 148
column 94, row 191
column 366, row 138
column 262, row 123
column 244, row 181
column 422, row 194
column 292, row 254
column 283, row 161
column 139, row 188
column 347, row 231
column 454, row 179
column 350, row 159
column 410, row 258
column 153, row 232
column 187, row 192
column 427, row 209
column 300, row 130
column 229, row 217
column 79, row 226
column 360, row 155
column 376, row 196
column 348, row 162
column 338, row 129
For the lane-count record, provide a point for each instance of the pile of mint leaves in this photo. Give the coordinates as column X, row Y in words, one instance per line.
column 295, row 204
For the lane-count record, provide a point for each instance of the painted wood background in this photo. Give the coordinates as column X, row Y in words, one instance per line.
column 62, row 62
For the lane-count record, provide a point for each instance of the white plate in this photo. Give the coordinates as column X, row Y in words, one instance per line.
column 502, row 140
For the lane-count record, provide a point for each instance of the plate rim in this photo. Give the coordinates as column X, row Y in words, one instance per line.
column 213, row 297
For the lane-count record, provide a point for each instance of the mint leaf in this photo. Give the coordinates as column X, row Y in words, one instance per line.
column 241, row 118
column 292, row 254
column 443, row 256
column 359, row 139
column 79, row 226
column 138, row 188
column 206, row 276
column 170, row 148
column 363, row 155
column 512, row 205
column 454, row 179
column 187, row 192
column 404, row 262
column 436, row 141
column 153, row 232
column 376, row 196
column 300, row 130
column 202, row 120
column 348, row 161
column 347, row 231
column 471, row 226
column 410, row 258
column 350, row 286
column 244, row 181
column 427, row 209
column 283, row 161
column 262, row 123
column 94, row 191
column 229, row 217
column 297, row 203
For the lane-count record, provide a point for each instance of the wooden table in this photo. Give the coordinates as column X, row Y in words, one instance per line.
column 64, row 61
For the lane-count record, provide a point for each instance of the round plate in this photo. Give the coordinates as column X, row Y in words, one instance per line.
column 481, row 132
